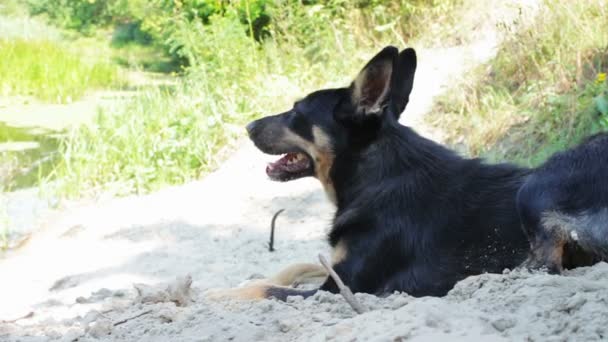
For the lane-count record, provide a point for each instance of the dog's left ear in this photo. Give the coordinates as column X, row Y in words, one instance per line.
column 402, row 80
column 371, row 90
column 387, row 78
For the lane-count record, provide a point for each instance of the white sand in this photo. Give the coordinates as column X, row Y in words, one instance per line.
column 76, row 278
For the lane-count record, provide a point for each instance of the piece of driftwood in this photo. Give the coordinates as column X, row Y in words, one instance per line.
column 26, row 316
column 272, row 227
column 122, row 321
column 344, row 290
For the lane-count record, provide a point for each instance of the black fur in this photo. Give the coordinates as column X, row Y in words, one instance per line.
column 417, row 218
column 412, row 215
column 574, row 185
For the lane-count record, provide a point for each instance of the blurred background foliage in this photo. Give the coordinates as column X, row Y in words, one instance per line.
column 226, row 62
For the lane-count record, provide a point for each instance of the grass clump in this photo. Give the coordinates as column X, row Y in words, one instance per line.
column 50, row 71
column 540, row 93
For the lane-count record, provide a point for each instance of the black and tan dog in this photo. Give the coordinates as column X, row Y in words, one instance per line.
column 564, row 207
column 412, row 215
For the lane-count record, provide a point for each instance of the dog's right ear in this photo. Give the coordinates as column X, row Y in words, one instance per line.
column 403, row 80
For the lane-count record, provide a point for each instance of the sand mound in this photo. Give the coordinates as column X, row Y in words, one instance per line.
column 517, row 305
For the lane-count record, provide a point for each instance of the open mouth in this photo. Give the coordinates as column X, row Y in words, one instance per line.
column 289, row 167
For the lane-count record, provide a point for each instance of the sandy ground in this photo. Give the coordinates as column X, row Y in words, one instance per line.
column 135, row 268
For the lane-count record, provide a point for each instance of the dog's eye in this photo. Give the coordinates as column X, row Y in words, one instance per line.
column 296, row 118
column 300, row 124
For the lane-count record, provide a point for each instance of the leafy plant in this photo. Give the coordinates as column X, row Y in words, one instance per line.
column 601, row 100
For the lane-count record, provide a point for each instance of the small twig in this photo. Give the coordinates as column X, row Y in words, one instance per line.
column 272, row 226
column 28, row 315
column 344, row 290
column 130, row 318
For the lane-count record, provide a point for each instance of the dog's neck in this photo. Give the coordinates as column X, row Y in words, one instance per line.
column 400, row 155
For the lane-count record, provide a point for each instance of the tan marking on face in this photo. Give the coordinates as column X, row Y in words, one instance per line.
column 321, row 151
column 339, row 253
column 324, row 161
column 551, row 254
column 549, row 250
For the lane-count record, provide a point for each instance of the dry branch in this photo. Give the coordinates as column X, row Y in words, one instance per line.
column 28, row 315
column 344, row 290
column 122, row 321
column 272, row 226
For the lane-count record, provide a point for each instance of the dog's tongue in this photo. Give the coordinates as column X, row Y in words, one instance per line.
column 289, row 163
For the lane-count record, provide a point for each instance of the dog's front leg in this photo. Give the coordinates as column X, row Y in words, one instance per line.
column 278, row 286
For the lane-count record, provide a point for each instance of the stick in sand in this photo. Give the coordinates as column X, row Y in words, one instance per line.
column 15, row 320
column 344, row 290
column 122, row 321
column 272, row 223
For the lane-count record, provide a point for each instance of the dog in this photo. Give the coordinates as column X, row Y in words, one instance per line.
column 563, row 207
column 411, row 215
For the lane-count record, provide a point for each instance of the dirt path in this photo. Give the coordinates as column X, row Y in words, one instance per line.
column 77, row 276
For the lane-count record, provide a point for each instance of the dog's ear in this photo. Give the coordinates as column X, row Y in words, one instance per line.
column 403, row 80
column 371, row 90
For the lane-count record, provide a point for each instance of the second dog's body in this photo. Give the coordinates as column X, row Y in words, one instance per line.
column 564, row 207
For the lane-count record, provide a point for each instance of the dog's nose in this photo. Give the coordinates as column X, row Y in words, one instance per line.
column 251, row 127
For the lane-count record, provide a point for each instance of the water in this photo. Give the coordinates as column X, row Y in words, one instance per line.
column 27, row 155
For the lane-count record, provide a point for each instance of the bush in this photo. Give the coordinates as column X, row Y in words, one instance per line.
column 537, row 95
column 162, row 22
column 81, row 15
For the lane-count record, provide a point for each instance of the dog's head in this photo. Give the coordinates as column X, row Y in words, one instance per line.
column 329, row 122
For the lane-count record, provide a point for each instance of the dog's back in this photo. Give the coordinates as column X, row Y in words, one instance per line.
column 564, row 207
column 416, row 217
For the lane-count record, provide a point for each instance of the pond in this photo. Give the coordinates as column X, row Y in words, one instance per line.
column 27, row 155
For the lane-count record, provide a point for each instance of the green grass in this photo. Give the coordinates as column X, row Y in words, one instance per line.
column 537, row 95
column 50, row 71
column 171, row 136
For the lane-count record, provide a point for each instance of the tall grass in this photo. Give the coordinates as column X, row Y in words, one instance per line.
column 50, row 71
column 170, row 136
column 537, row 95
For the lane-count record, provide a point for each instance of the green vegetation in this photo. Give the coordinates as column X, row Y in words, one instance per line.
column 49, row 71
column 165, row 23
column 238, row 60
column 233, row 71
column 544, row 91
